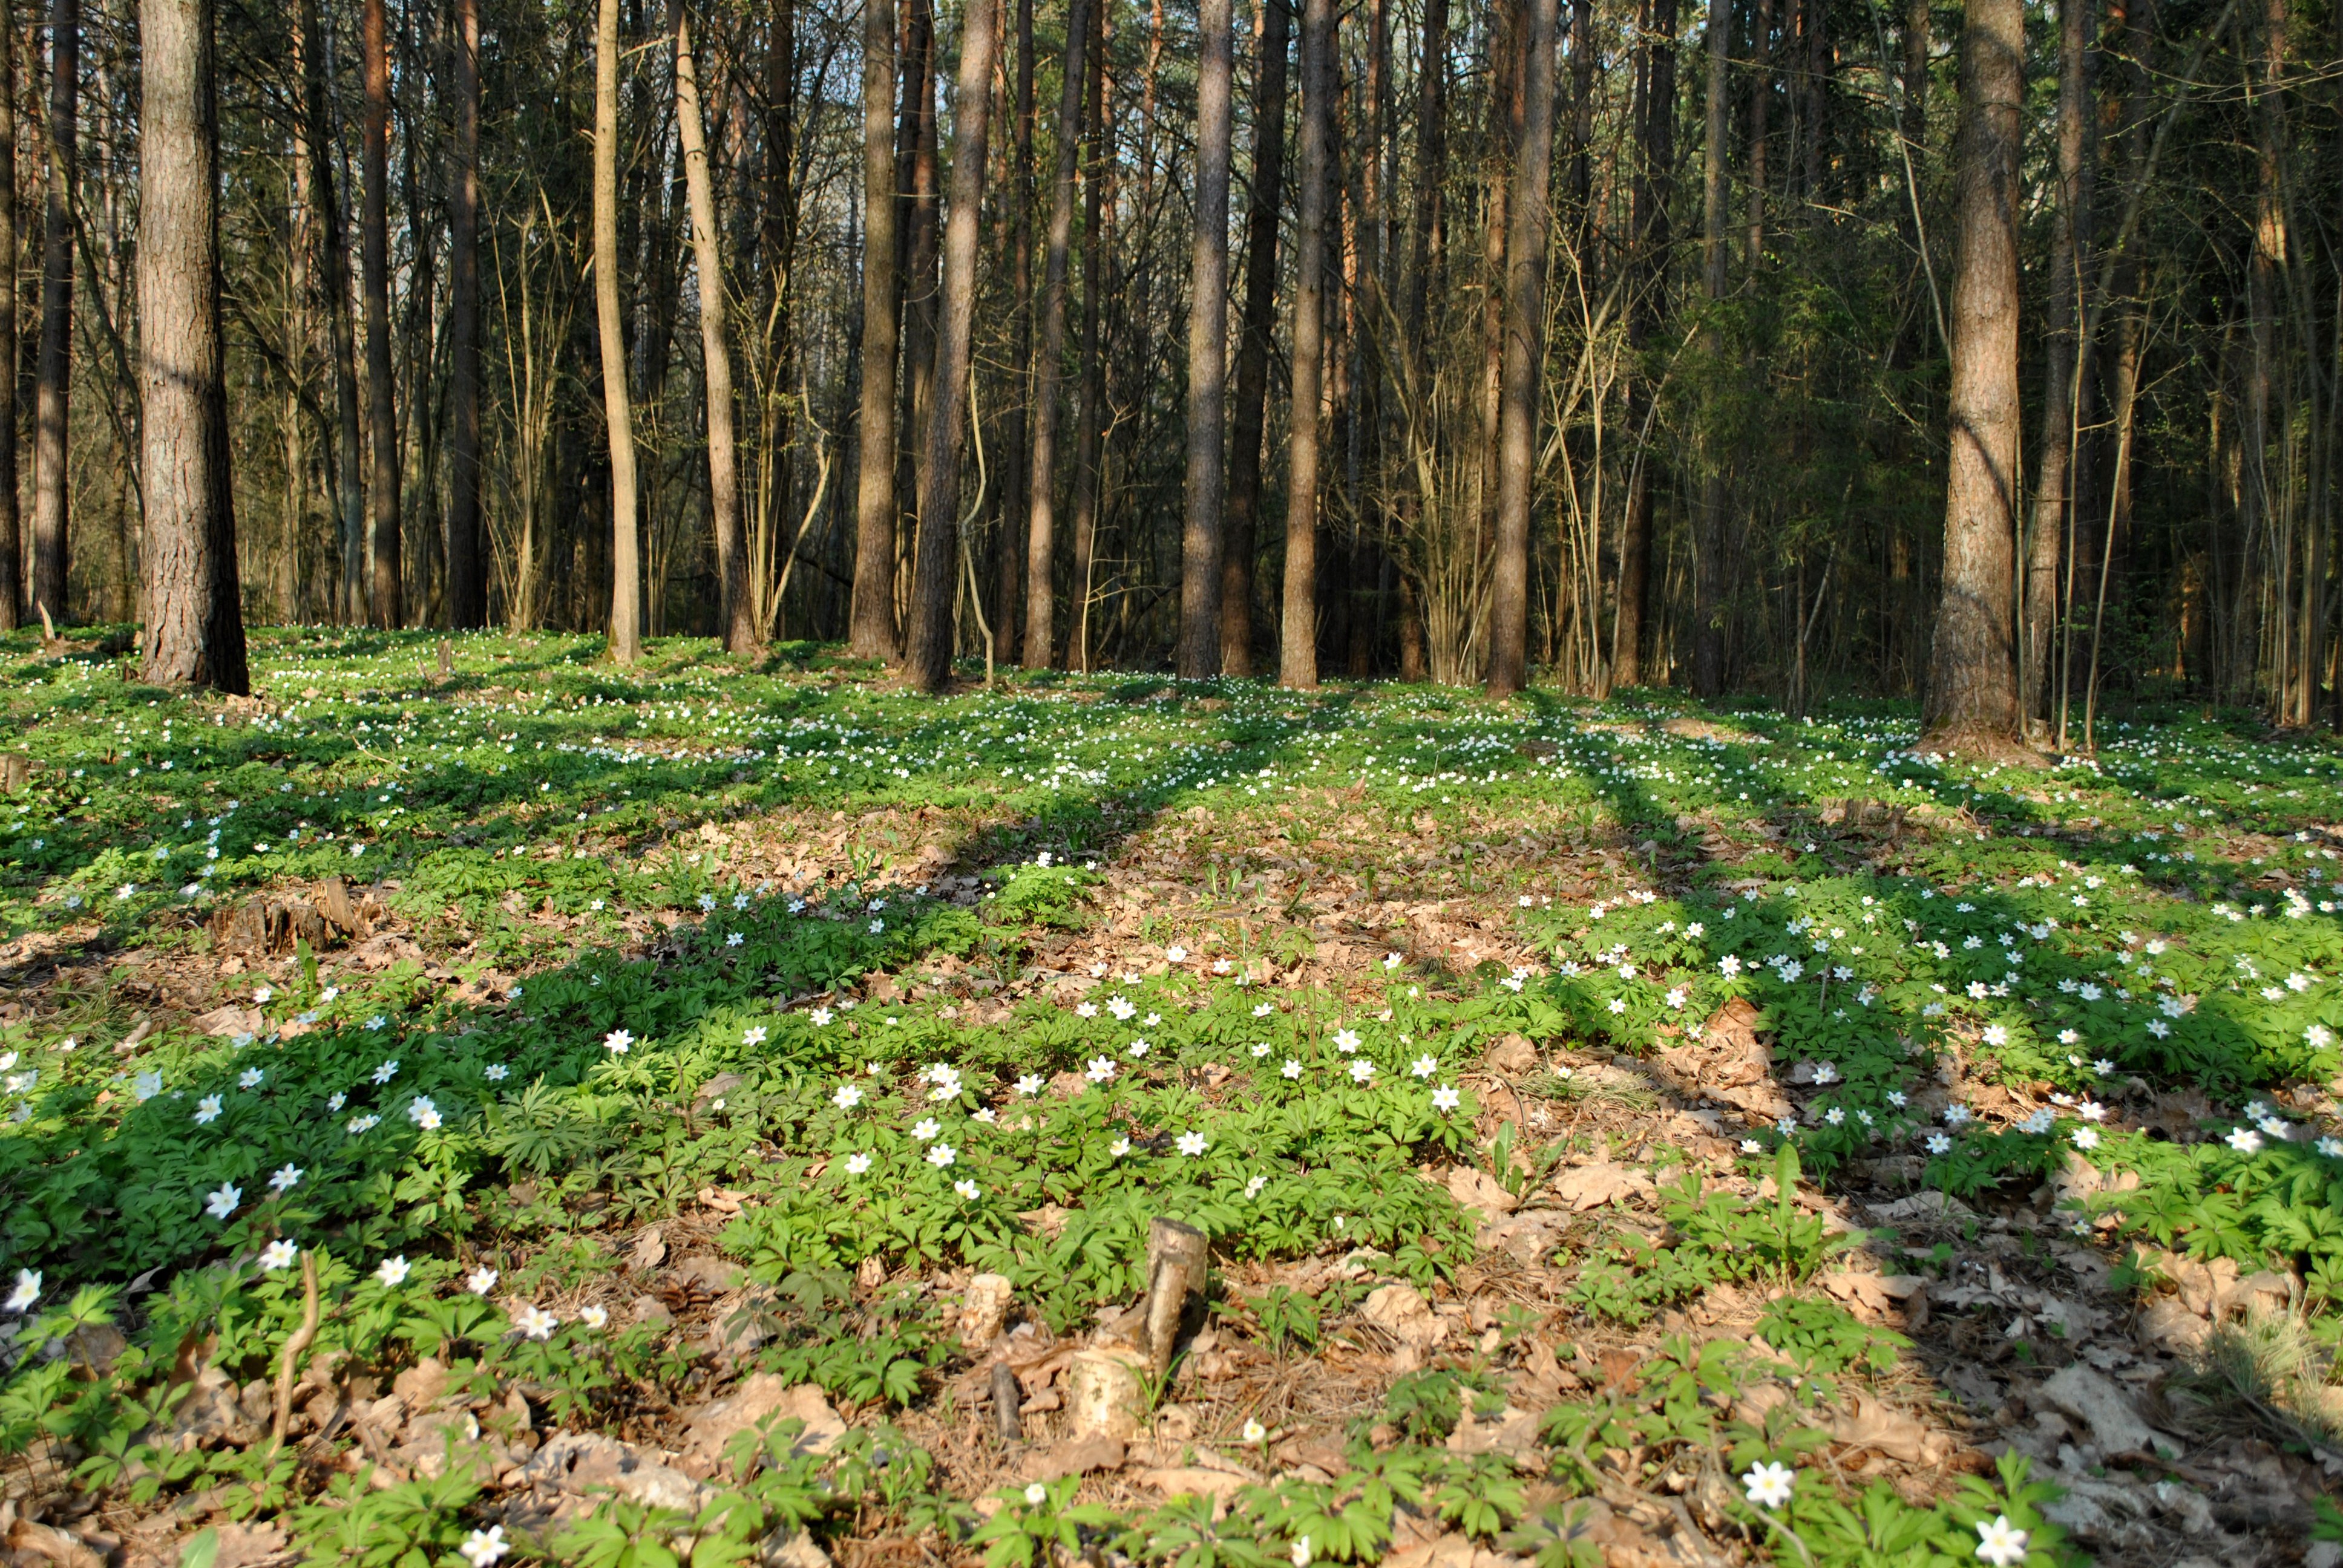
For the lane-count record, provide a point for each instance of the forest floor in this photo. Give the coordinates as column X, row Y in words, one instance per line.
column 470, row 1103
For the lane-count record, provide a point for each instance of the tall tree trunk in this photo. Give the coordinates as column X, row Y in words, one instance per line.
column 1298, row 637
column 928, row 667
column 919, row 249
column 1761, row 102
column 1655, row 118
column 11, row 547
column 1264, row 201
column 385, row 602
column 626, row 545
column 1972, row 692
column 1208, row 351
column 1708, row 548
column 1090, row 396
column 1016, row 433
column 736, row 615
column 468, row 576
column 51, row 482
column 2062, row 378
column 346, row 477
column 1048, row 361
column 195, row 624
column 2259, row 512
column 1525, row 262
column 871, row 632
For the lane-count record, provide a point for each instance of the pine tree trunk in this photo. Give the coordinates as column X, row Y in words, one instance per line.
column 1048, row 361
column 12, row 584
column 1297, row 664
column 928, row 666
column 1972, row 693
column 1761, row 101
column 1208, row 351
column 467, row 583
column 1242, row 520
column 871, row 632
column 736, row 613
column 920, row 287
column 385, row 602
column 51, row 482
column 1527, row 223
column 625, row 563
column 1708, row 544
column 194, row 633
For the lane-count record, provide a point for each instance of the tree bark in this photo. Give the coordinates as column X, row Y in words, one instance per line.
column 51, row 482
column 1761, row 101
column 1708, row 545
column 1972, row 693
column 346, row 474
column 1655, row 118
column 384, row 603
column 1048, row 361
column 467, row 577
column 871, row 632
column 928, row 666
column 2063, row 377
column 1264, row 201
column 1017, row 426
column 736, row 615
column 1298, row 637
column 1090, row 396
column 1208, row 351
column 626, row 567
column 1525, row 262
column 919, row 286
column 12, row 583
column 194, row 633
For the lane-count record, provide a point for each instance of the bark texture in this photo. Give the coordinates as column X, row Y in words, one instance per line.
column 194, row 631
column 1525, row 265
column 386, row 604
column 1972, row 690
column 51, row 482
column 626, row 567
column 871, row 627
column 1241, row 519
column 1297, row 664
column 1208, row 352
column 1050, row 357
column 928, row 665
column 467, row 584
column 736, row 615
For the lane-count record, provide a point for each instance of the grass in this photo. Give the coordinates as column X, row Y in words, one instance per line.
column 861, row 994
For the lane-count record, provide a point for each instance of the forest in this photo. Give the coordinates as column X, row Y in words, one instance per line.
column 1987, row 356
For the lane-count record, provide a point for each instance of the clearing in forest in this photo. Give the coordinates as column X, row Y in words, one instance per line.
column 542, row 1111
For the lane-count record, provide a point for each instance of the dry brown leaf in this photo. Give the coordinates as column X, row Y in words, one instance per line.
column 1588, row 1187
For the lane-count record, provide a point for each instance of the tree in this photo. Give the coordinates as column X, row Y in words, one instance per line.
column 1972, row 692
column 12, row 587
column 50, row 484
column 1208, row 352
column 385, row 602
column 467, row 583
column 1048, row 361
column 1708, row 544
column 1240, row 516
column 194, row 633
column 1525, row 260
column 1649, row 238
column 2066, row 371
column 928, row 664
column 1261, row 213
column 1297, row 664
column 735, row 612
column 870, row 631
column 626, row 565
column 345, row 470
